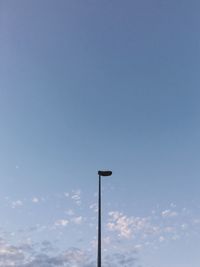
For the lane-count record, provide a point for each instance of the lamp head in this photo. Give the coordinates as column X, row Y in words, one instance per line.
column 104, row 173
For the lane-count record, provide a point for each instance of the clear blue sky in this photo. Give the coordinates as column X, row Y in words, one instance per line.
column 88, row 85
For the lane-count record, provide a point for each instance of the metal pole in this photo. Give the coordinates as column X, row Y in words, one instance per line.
column 99, row 226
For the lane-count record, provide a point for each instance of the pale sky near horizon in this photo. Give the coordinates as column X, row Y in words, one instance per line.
column 89, row 85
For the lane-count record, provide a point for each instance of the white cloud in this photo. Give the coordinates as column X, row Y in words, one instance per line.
column 66, row 194
column 76, row 196
column 94, row 207
column 61, row 222
column 70, row 212
column 10, row 255
column 35, row 200
column 107, row 240
column 169, row 224
column 161, row 239
column 175, row 237
column 138, row 246
column 127, row 226
column 122, row 226
column 25, row 255
column 160, row 226
column 77, row 220
column 120, row 223
column 169, row 229
column 168, row 213
column 16, row 204
column 172, row 205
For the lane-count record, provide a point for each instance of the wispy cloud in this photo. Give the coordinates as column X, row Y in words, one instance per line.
column 70, row 212
column 66, row 194
column 159, row 227
column 130, row 227
column 77, row 220
column 26, row 255
column 169, row 213
column 61, row 222
column 76, row 196
column 93, row 207
column 35, row 200
column 16, row 204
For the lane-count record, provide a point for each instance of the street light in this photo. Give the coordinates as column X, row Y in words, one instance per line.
column 100, row 173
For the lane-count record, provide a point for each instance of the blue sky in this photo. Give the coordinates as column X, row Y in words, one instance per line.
column 89, row 85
